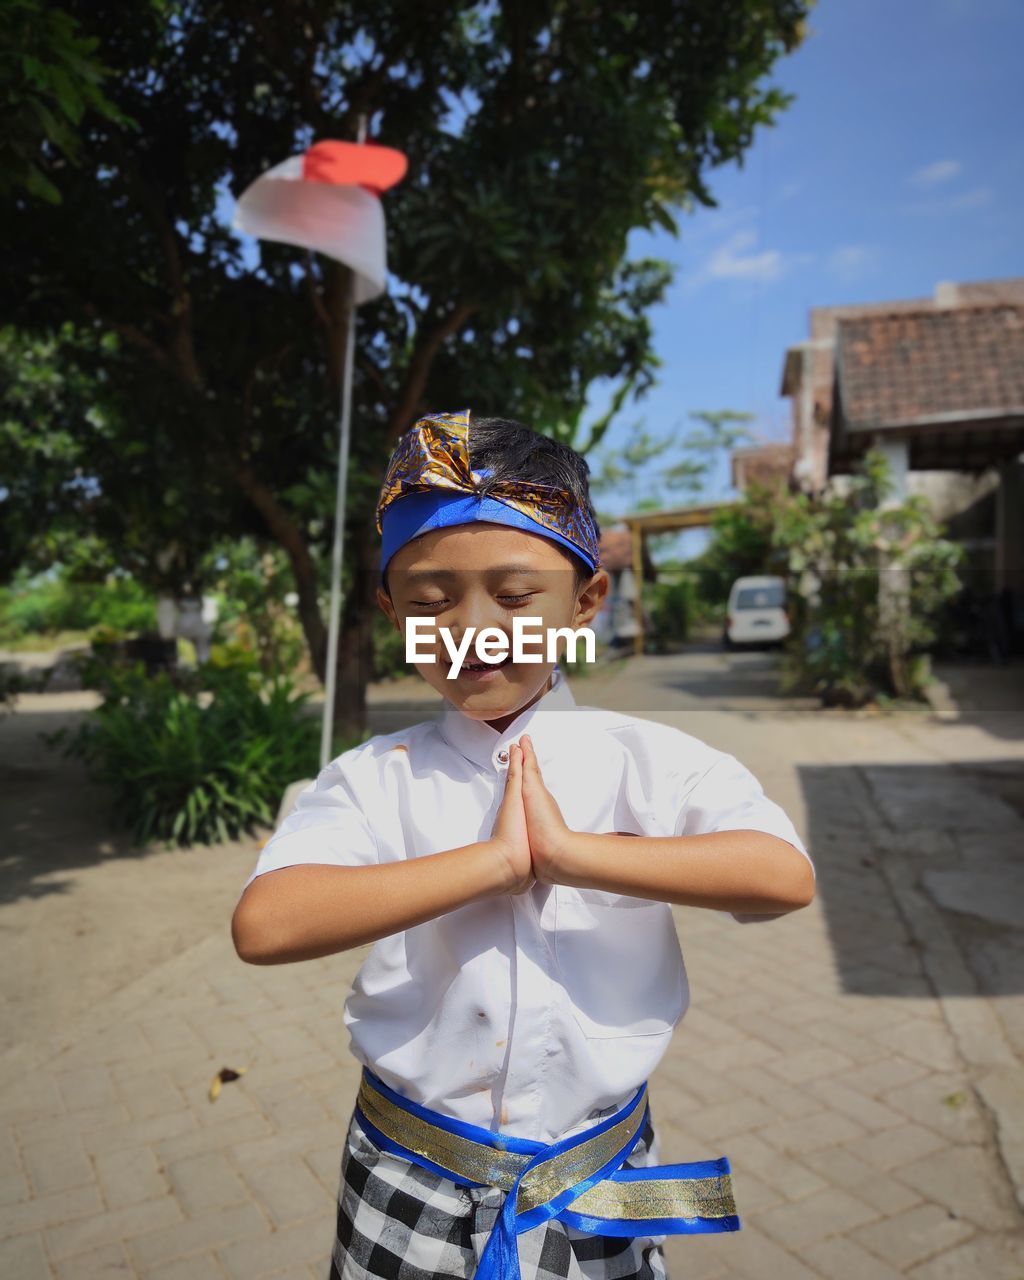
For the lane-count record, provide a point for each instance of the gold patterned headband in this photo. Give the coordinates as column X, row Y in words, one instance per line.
column 433, row 458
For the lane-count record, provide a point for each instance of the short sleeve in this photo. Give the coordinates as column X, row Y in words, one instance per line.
column 727, row 797
column 328, row 825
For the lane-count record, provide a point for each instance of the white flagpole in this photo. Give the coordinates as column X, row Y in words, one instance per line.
column 327, row 729
column 334, row 624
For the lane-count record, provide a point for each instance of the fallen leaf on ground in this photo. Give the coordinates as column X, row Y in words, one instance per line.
column 223, row 1076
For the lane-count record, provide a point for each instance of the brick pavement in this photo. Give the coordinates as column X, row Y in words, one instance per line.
column 821, row 1052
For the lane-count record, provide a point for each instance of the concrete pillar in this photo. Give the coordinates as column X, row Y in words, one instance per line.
column 805, row 441
column 166, row 617
column 893, row 581
column 947, row 294
column 897, row 454
column 1010, row 527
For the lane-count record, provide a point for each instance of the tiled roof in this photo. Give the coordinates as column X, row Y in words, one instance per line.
column 761, row 463
column 929, row 366
column 990, row 291
column 824, row 320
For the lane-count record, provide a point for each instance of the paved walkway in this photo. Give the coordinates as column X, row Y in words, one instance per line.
column 858, row 1061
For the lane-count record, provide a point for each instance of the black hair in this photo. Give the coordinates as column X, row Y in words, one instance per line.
column 511, row 450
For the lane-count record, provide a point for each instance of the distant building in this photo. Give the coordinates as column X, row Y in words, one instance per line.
column 936, row 383
column 763, row 464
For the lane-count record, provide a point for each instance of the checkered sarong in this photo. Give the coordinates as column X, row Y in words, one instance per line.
column 399, row 1221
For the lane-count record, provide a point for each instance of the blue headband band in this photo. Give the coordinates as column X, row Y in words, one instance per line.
column 441, row 509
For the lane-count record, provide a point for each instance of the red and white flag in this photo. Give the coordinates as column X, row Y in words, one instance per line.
column 329, row 200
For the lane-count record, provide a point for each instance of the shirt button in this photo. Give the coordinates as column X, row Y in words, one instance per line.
column 503, row 757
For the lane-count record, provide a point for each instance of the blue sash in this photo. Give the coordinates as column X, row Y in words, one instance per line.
column 578, row 1180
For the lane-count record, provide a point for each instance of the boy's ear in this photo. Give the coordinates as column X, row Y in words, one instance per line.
column 591, row 598
column 384, row 600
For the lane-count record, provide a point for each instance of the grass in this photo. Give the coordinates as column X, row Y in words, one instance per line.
column 43, row 642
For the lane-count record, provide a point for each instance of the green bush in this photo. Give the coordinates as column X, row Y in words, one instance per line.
column 251, row 584
column 388, row 651
column 192, row 767
column 45, row 605
column 867, row 584
column 672, row 613
column 233, row 656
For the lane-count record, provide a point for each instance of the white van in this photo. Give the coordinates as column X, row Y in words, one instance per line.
column 756, row 613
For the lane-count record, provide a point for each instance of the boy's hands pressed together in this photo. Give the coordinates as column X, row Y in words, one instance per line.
column 549, row 836
column 529, row 831
column 509, row 835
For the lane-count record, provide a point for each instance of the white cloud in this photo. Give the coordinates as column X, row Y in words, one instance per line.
column 931, row 175
column 730, row 261
column 852, row 261
column 738, row 259
column 977, row 198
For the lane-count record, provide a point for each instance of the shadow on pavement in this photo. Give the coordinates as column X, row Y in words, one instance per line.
column 50, row 811
column 55, row 820
column 957, row 832
column 991, row 697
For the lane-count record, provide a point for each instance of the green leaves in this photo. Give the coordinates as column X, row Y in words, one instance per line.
column 840, row 553
column 49, row 79
column 195, row 767
column 679, row 463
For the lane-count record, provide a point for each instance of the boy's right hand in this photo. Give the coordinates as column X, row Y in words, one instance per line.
column 509, row 835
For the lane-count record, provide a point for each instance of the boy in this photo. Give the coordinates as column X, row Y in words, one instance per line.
column 513, row 862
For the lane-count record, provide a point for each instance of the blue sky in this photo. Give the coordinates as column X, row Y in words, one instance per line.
column 899, row 164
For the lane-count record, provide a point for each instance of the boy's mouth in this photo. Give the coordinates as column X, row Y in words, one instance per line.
column 482, row 669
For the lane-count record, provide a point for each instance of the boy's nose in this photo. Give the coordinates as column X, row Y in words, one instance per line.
column 476, row 627
column 477, row 619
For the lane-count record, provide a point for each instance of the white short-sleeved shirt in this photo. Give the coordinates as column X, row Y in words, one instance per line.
column 526, row 1013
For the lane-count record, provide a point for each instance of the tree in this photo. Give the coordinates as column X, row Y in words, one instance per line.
column 539, row 135
column 646, row 464
column 82, row 487
column 741, row 544
column 48, row 80
column 681, row 463
column 848, row 642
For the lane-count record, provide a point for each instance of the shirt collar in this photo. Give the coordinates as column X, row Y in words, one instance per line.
column 479, row 742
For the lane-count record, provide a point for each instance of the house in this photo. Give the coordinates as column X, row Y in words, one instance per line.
column 938, row 384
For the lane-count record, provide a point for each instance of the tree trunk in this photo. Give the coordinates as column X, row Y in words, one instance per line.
column 289, row 536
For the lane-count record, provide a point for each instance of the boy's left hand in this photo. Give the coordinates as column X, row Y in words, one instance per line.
column 548, row 834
